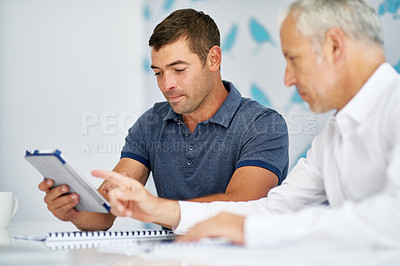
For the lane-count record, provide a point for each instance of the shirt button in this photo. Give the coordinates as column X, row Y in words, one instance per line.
column 187, row 134
column 178, row 123
column 191, row 147
column 189, row 163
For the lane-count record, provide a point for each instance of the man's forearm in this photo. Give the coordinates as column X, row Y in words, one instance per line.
column 224, row 197
column 247, row 183
column 211, row 198
column 91, row 221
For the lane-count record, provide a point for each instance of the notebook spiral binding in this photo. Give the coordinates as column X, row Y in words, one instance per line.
column 101, row 235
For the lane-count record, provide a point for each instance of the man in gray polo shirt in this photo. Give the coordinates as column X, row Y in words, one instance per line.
column 187, row 165
column 206, row 142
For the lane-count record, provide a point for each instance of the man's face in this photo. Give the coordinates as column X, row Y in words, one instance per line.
column 181, row 77
column 310, row 72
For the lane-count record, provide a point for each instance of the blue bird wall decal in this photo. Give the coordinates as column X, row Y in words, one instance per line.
column 168, row 4
column 397, row 67
column 259, row 96
column 230, row 39
column 146, row 12
column 259, row 33
column 391, row 7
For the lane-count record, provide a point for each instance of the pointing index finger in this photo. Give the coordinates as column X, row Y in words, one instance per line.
column 121, row 181
column 108, row 175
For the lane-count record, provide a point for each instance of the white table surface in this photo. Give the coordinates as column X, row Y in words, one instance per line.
column 23, row 252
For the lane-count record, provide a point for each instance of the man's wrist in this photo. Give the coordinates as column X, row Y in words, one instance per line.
column 168, row 213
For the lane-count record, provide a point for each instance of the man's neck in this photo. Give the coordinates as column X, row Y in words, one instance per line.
column 358, row 71
column 214, row 102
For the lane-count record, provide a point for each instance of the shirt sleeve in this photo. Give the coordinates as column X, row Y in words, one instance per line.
column 266, row 144
column 274, row 221
column 373, row 221
column 195, row 212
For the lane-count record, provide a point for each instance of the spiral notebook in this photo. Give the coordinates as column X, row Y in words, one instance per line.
column 95, row 239
column 99, row 235
column 123, row 242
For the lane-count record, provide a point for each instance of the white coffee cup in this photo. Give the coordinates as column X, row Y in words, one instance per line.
column 8, row 207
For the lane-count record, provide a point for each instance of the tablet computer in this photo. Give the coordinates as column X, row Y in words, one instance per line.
column 53, row 165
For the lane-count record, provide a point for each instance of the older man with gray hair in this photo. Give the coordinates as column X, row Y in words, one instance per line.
column 347, row 189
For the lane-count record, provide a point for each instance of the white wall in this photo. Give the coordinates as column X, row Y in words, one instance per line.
column 65, row 65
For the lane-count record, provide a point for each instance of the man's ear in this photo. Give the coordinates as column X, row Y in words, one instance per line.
column 334, row 45
column 214, row 58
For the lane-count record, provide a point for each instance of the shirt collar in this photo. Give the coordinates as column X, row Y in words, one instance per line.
column 363, row 103
column 224, row 114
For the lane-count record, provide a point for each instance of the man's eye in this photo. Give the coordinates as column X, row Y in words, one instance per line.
column 157, row 74
column 180, row 70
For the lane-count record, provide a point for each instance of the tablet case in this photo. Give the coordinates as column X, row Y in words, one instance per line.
column 52, row 165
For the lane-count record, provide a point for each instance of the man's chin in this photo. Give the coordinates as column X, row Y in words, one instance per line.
column 178, row 109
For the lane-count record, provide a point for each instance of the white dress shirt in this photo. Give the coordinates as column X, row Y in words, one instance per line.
column 347, row 190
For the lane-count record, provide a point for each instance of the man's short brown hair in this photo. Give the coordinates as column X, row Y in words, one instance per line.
column 195, row 26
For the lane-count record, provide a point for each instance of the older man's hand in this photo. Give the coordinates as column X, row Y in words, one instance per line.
column 224, row 225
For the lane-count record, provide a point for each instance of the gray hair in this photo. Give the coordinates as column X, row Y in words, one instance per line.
column 356, row 18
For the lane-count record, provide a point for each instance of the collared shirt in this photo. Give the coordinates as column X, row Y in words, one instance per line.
column 187, row 165
column 347, row 190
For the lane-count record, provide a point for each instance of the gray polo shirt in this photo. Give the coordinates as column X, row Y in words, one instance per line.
column 184, row 165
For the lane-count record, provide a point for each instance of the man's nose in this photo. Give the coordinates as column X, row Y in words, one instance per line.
column 290, row 79
column 168, row 81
